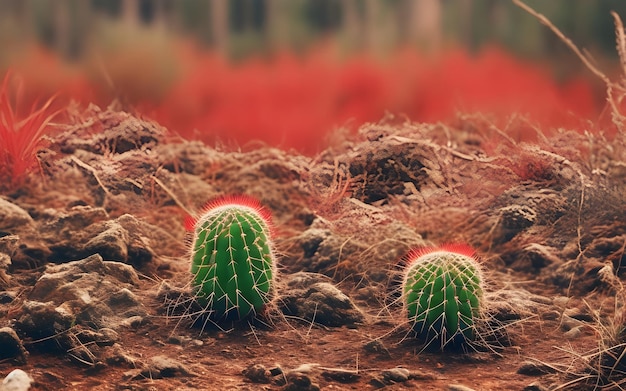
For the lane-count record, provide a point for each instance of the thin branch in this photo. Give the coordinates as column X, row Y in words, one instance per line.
column 563, row 38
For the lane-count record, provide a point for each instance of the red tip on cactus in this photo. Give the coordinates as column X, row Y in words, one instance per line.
column 237, row 199
column 457, row 248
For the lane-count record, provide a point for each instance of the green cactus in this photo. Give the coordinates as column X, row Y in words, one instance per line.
column 232, row 262
column 442, row 294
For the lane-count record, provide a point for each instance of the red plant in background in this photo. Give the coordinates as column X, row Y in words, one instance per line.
column 293, row 101
column 20, row 137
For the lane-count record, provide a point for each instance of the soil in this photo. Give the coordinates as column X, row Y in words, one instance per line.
column 94, row 255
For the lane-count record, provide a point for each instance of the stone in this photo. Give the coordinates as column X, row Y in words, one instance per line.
column 79, row 304
column 534, row 386
column 341, row 375
column 459, row 387
column 396, row 375
column 257, row 373
column 11, row 346
column 161, row 366
column 540, row 256
column 12, row 217
column 16, row 380
column 111, row 243
column 320, row 302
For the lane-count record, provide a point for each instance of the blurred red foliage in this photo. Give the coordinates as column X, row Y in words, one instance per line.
column 294, row 101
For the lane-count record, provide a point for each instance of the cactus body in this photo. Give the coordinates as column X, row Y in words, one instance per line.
column 442, row 293
column 232, row 260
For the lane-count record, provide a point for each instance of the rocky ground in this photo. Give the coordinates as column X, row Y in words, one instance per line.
column 93, row 251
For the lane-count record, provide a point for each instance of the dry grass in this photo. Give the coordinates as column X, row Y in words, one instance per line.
column 605, row 368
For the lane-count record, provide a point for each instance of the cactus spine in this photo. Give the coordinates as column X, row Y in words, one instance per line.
column 442, row 294
column 232, row 262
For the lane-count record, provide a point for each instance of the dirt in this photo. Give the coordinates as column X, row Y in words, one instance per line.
column 94, row 251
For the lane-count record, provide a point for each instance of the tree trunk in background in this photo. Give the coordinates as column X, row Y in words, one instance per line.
column 425, row 25
column 465, row 28
column 277, row 23
column 130, row 12
column 62, row 27
column 19, row 12
column 161, row 14
column 219, row 25
column 370, row 33
column 351, row 25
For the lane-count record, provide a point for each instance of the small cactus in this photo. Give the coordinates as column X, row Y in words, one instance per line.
column 442, row 294
column 232, row 262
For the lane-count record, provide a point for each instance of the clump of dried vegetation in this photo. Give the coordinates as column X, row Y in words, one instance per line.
column 605, row 367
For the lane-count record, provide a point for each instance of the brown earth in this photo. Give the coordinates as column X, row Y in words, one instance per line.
column 547, row 219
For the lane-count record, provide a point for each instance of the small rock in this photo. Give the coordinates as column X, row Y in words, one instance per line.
column 11, row 346
column 341, row 375
column 377, row 383
column 568, row 323
column 16, row 380
column 9, row 244
column 396, row 375
column 535, row 387
column 422, row 375
column 134, row 321
column 376, row 346
column 459, row 387
column 111, row 243
column 178, row 339
column 91, row 292
column 518, row 217
column 40, row 321
column 257, row 373
column 574, row 332
column 531, row 368
column 297, row 381
column 123, row 298
column 116, row 355
column 102, row 337
column 12, row 216
column 320, row 302
column 539, row 255
column 162, row 366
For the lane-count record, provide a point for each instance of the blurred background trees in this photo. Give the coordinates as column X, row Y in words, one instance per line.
column 241, row 27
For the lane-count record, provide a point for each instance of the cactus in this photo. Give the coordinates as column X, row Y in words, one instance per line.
column 232, row 262
column 442, row 294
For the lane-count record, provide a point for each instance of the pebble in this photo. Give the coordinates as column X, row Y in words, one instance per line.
column 376, row 346
column 568, row 323
column 257, row 373
column 297, row 381
column 396, row 375
column 162, row 366
column 574, row 332
column 535, row 387
column 341, row 375
column 459, row 387
column 531, row 368
column 17, row 380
